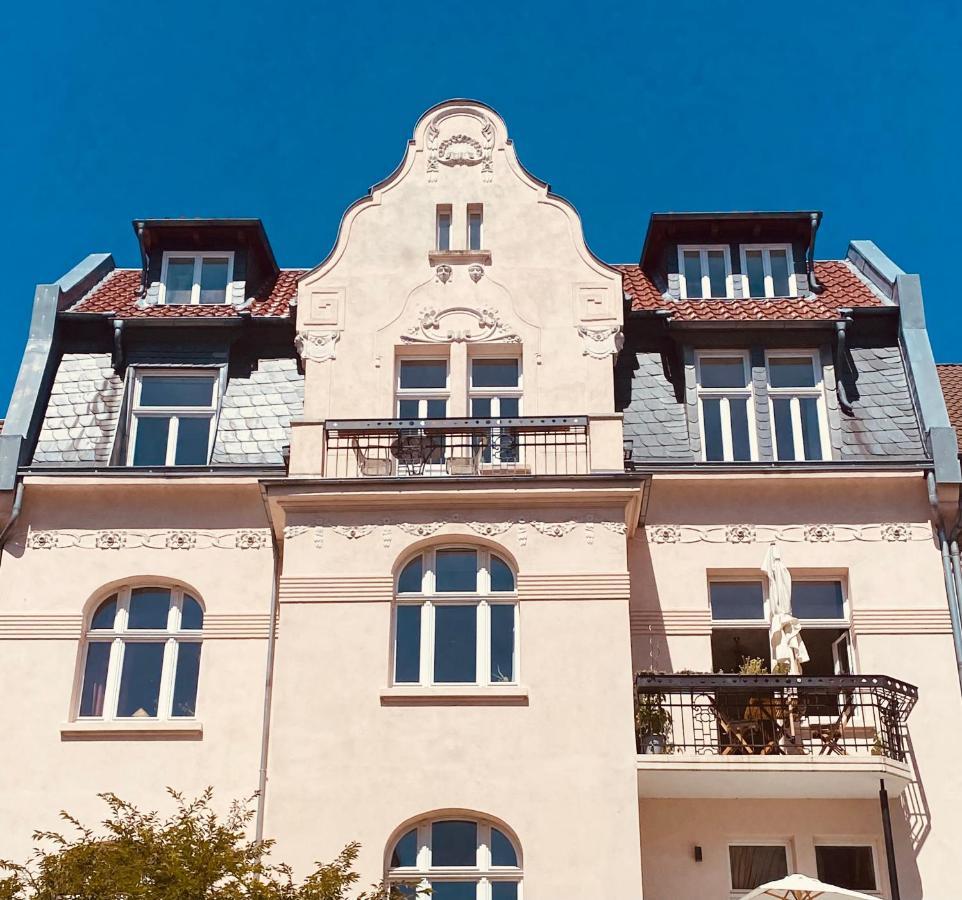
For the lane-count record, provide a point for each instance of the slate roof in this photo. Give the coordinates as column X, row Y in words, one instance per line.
column 120, row 291
column 951, row 377
column 843, row 288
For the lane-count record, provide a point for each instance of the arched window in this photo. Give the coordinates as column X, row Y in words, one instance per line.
column 456, row 619
column 142, row 655
column 457, row 859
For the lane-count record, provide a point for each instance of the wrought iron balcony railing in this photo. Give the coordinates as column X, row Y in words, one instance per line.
column 773, row 714
column 386, row 448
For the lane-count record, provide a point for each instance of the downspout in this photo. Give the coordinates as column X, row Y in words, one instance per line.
column 953, row 579
column 816, row 286
column 841, row 360
column 14, row 515
column 139, row 228
column 269, row 677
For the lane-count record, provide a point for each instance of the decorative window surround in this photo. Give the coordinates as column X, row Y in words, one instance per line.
column 172, row 257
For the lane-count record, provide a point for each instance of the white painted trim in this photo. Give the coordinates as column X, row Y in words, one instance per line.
column 702, row 250
column 198, row 258
column 848, row 840
column 726, row 395
column 786, row 842
column 794, row 394
column 767, row 269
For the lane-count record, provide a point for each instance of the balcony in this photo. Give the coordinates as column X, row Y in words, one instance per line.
column 771, row 735
column 406, row 448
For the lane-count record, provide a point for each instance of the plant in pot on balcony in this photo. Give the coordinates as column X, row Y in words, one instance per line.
column 652, row 722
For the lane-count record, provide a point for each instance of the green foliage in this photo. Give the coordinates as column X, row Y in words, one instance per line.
column 193, row 854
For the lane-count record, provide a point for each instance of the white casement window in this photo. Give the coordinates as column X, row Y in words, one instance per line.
column 192, row 279
column 443, row 227
column 422, row 388
column 456, row 619
column 141, row 656
column 768, row 270
column 475, row 225
column 822, row 607
column 495, row 393
column 172, row 415
column 456, row 859
column 848, row 863
column 754, row 864
column 725, row 406
column 797, row 403
column 740, row 622
column 705, row 271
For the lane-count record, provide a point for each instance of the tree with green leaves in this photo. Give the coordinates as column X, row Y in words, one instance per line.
column 193, row 854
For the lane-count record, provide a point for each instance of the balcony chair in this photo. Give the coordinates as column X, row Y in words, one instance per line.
column 372, row 466
column 466, row 464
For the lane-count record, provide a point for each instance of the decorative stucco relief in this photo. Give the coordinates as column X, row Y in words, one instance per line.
column 444, row 273
column 460, row 149
column 803, row 533
column 420, row 529
column 476, row 326
column 318, row 346
column 601, row 342
column 554, row 529
column 176, row 539
column 475, row 272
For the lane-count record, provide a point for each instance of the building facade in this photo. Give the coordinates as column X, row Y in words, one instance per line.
column 454, row 544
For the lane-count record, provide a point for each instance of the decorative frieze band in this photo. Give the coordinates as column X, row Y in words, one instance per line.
column 170, row 539
column 819, row 533
column 336, row 588
column 671, row 622
column 933, row 620
column 577, row 586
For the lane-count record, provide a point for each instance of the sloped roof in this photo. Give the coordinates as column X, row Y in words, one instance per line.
column 120, row 291
column 951, row 377
column 843, row 289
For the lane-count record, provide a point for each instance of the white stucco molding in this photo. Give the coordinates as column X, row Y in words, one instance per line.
column 317, row 346
column 459, row 324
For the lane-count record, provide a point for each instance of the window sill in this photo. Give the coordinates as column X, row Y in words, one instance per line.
column 134, row 730
column 436, row 257
column 460, row 695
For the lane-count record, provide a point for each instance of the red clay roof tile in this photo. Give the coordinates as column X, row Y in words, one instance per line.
column 951, row 378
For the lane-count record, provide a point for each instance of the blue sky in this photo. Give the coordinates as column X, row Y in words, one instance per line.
column 289, row 111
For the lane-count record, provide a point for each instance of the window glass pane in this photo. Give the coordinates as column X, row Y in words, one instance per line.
column 711, row 416
column 105, row 615
column 140, row 680
column 691, row 260
column 185, row 679
column 444, row 230
column 148, row 608
column 504, row 890
column 481, row 407
column 95, row 679
column 502, row 642
column 737, row 600
column 811, row 432
column 407, row 645
column 717, row 273
column 180, row 281
column 405, row 851
column 150, row 448
column 510, row 407
column 778, row 260
column 791, row 371
column 424, row 373
column 455, row 643
column 454, row 890
column 846, row 867
column 408, row 409
column 474, row 231
column 755, row 866
column 213, row 280
column 502, row 852
column 818, row 600
column 756, row 273
column 454, row 844
column 494, row 373
column 738, row 414
column 456, row 570
column 784, row 433
column 722, row 372
column 437, row 409
column 193, row 434
column 191, row 615
column 176, row 390
column 411, row 578
column 502, row 578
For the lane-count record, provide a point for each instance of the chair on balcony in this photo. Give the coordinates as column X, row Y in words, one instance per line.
column 372, row 466
column 466, row 464
column 832, row 735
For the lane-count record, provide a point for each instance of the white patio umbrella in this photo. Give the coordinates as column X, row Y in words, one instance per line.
column 786, row 630
column 801, row 887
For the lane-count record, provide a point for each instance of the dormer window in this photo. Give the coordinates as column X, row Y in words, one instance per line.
column 769, row 270
column 704, row 271
column 192, row 279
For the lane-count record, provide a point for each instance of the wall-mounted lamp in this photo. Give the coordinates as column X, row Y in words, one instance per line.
column 697, row 853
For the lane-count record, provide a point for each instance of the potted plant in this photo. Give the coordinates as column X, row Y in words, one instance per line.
column 652, row 722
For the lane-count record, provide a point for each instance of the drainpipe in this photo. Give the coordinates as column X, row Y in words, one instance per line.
column 841, row 360
column 139, row 229
column 883, row 799
column 816, row 286
column 953, row 579
column 269, row 678
column 14, row 515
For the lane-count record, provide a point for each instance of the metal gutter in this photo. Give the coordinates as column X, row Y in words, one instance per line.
column 175, row 472
column 14, row 515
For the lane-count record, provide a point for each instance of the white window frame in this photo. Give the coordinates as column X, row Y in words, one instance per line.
column 484, row 872
column 856, row 841
column 443, row 210
column 198, row 258
column 495, row 394
column 428, row 599
column 702, row 250
column 174, row 413
column 756, row 842
column 120, row 635
column 733, row 578
column 765, row 250
column 794, row 394
column 725, row 395
column 422, row 395
column 474, row 209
